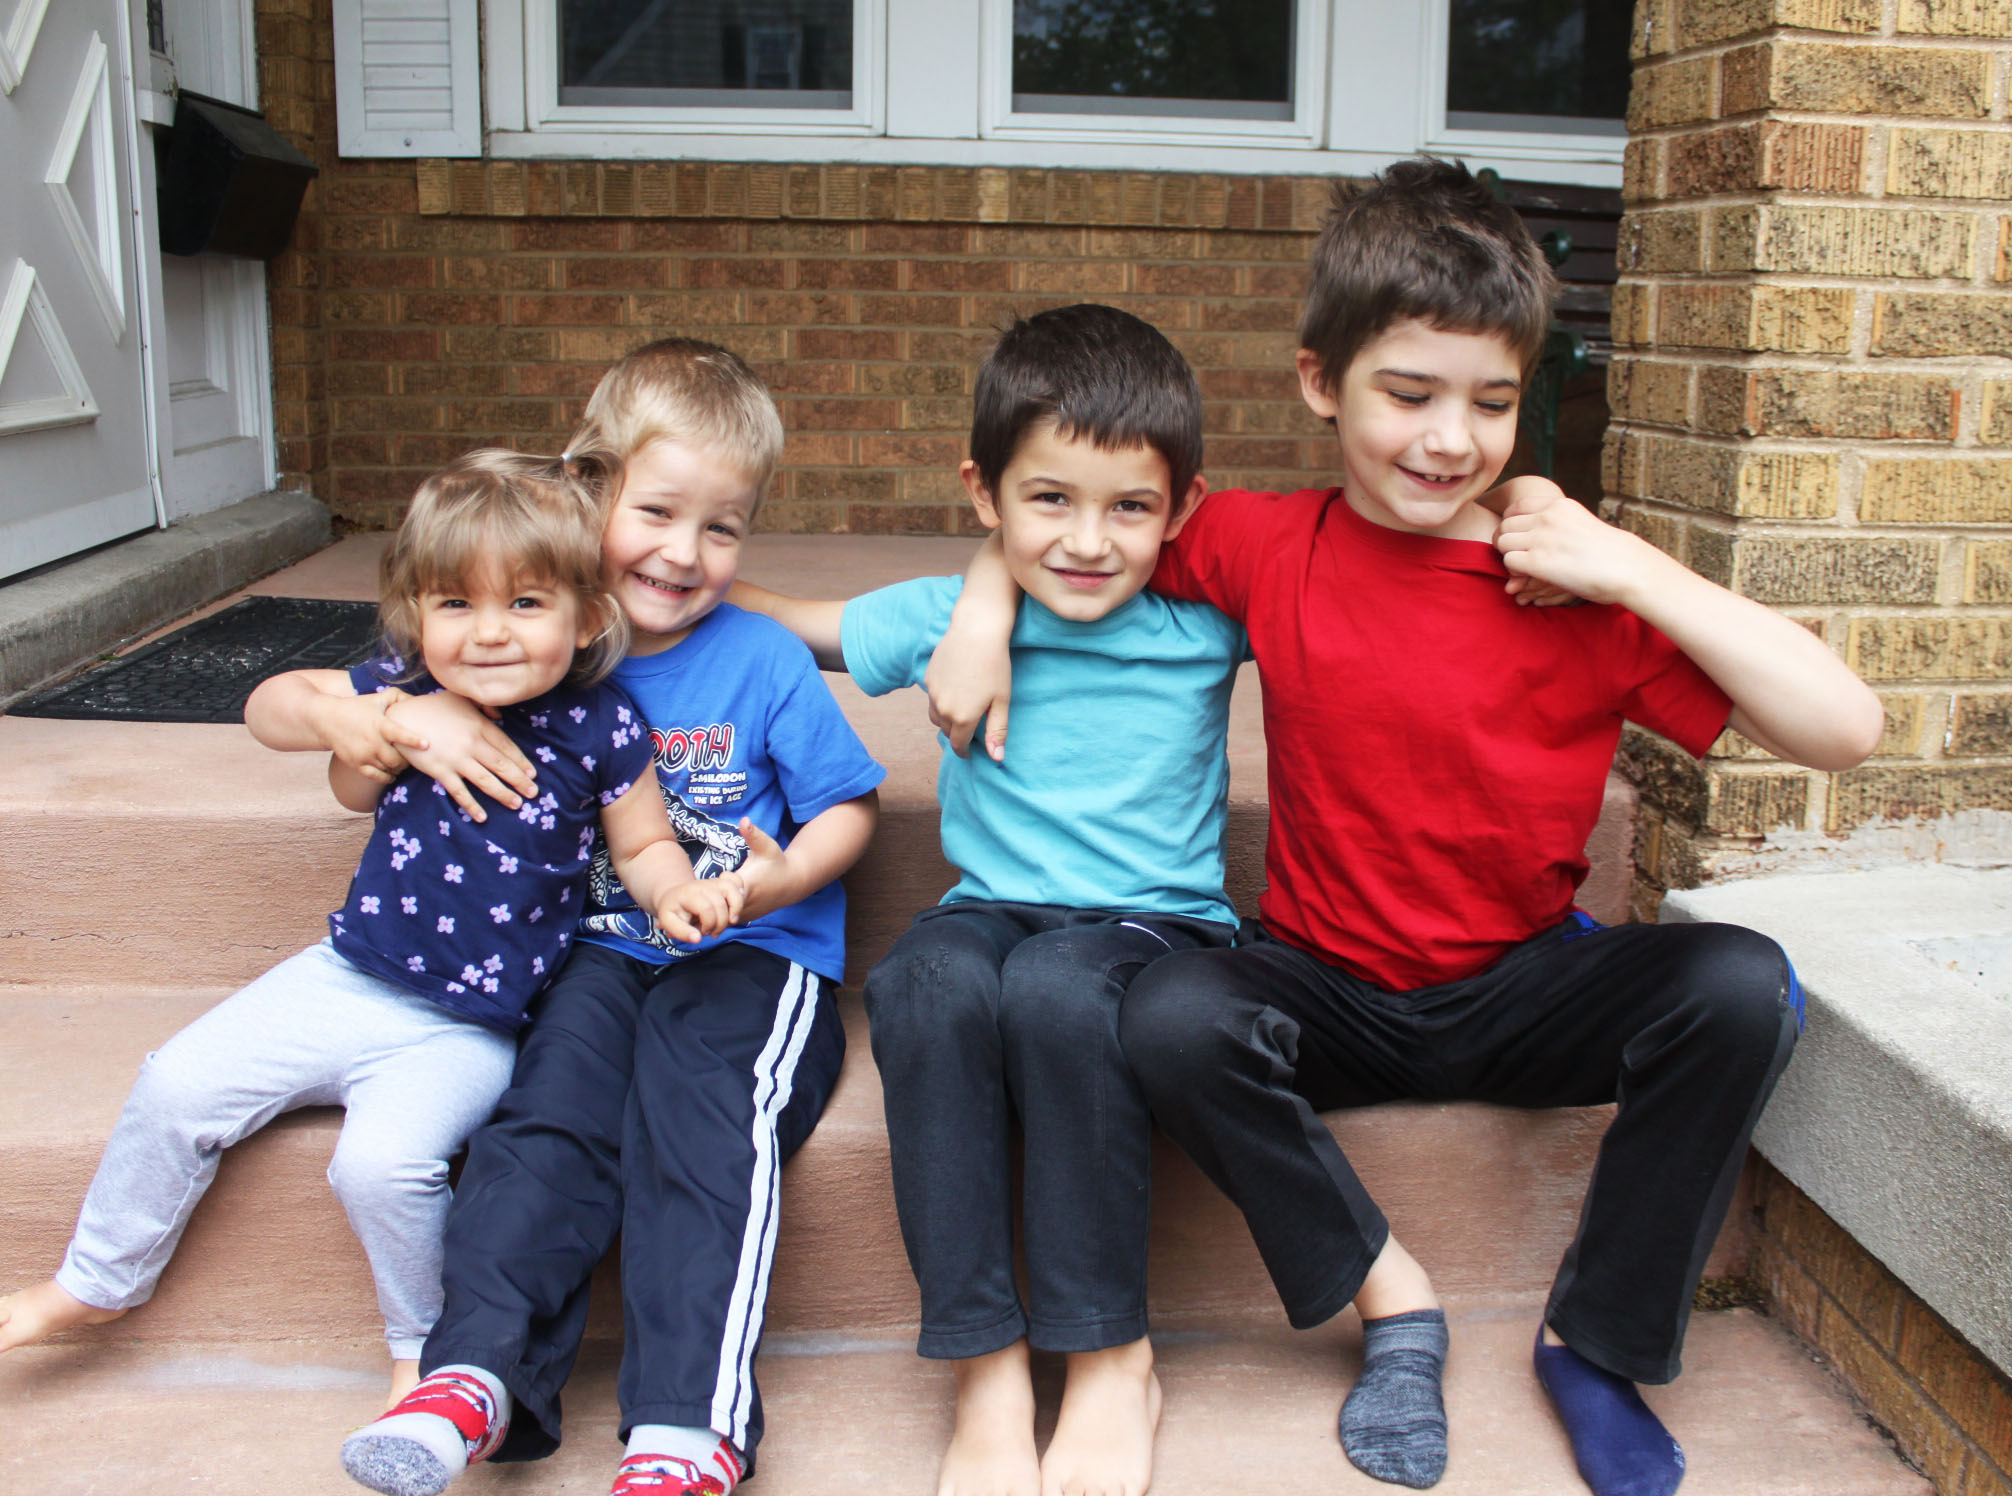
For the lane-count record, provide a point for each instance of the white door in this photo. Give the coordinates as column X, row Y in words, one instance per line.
column 73, row 420
column 216, row 447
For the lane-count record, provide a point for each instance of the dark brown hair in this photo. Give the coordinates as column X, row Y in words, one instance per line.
column 1422, row 240
column 1099, row 374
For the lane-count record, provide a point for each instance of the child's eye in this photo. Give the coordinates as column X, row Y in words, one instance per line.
column 527, row 604
column 1132, row 506
column 1050, row 497
column 1496, row 407
column 450, row 602
column 724, row 529
column 1405, row 397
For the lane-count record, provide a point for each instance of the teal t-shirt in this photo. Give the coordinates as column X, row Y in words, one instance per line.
column 1113, row 792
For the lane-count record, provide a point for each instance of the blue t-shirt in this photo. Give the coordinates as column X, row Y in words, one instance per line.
column 741, row 724
column 477, row 917
column 1113, row 793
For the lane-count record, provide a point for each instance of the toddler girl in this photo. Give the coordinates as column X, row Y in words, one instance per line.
column 406, row 1014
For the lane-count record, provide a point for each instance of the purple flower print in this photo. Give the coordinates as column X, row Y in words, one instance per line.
column 452, row 872
column 368, row 903
column 415, row 963
column 500, row 913
column 444, row 924
column 409, row 904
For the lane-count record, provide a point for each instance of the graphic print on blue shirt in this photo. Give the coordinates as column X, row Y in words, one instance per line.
column 740, row 724
column 477, row 916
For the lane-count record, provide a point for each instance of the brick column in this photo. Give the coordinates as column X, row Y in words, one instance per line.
column 1812, row 399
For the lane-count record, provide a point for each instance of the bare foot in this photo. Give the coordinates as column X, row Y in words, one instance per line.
column 404, row 1377
column 37, row 1313
column 991, row 1450
column 1103, row 1444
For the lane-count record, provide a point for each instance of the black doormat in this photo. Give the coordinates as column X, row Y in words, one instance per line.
column 204, row 672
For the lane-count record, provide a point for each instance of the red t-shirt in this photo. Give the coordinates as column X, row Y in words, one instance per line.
column 1437, row 754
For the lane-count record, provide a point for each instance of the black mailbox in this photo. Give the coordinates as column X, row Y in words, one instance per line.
column 227, row 182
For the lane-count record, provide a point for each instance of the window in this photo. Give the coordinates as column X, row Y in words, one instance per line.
column 1545, row 74
column 788, row 54
column 1535, row 88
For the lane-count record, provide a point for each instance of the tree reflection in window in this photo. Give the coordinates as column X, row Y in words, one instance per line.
column 1228, row 58
column 706, row 52
column 1558, row 59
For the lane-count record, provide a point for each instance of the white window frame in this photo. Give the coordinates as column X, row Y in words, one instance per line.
column 1303, row 130
column 932, row 86
column 1492, row 146
column 545, row 112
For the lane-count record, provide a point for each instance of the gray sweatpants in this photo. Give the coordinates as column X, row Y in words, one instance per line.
column 313, row 1031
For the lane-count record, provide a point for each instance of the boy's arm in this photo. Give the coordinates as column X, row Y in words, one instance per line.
column 305, row 710
column 970, row 675
column 816, row 623
column 354, row 788
column 828, row 843
column 1790, row 694
column 443, row 736
column 654, row 869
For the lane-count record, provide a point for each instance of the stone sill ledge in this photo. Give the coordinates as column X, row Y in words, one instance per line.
column 1895, row 1115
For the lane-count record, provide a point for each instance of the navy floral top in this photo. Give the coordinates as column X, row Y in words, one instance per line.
column 477, row 917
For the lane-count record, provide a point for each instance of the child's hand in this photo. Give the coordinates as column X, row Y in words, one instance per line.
column 970, row 680
column 360, row 731
column 703, row 907
column 1529, row 489
column 1551, row 539
column 766, row 874
column 452, row 741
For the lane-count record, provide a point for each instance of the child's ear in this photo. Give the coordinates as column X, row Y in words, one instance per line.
column 1312, row 385
column 1185, row 510
column 981, row 496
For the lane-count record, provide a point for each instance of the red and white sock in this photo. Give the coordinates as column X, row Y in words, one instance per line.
column 665, row 1460
column 455, row 1417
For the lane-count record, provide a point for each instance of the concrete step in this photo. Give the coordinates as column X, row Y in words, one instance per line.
column 190, row 854
column 1253, row 1408
column 1486, row 1197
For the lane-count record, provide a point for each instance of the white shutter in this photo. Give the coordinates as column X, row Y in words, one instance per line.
column 408, row 78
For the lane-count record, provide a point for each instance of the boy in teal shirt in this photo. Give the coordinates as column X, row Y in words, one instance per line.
column 1096, row 849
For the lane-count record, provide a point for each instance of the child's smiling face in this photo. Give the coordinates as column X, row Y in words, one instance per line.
column 1081, row 526
column 1426, row 419
column 673, row 539
column 497, row 640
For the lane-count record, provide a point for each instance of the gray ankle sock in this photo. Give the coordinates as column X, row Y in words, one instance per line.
column 1393, row 1425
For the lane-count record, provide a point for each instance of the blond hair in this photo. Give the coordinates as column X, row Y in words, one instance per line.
column 681, row 390
column 526, row 515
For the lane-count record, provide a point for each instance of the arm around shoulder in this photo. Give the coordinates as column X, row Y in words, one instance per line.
column 816, row 623
column 1790, row 693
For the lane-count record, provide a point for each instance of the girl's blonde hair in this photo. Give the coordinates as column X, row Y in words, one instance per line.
column 681, row 390
column 528, row 516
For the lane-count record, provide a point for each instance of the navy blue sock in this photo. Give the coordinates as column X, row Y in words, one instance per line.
column 1621, row 1447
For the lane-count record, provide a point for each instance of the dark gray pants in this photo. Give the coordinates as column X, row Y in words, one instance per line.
column 1686, row 1026
column 983, row 1012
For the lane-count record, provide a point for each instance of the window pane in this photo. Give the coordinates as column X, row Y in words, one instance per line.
column 1535, row 64
column 706, row 53
column 1219, row 59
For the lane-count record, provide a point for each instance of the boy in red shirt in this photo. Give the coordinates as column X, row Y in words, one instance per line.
column 1437, row 754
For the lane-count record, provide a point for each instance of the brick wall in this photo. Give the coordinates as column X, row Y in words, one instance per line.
column 1948, row 1408
column 428, row 306
column 1813, row 399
